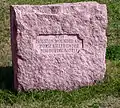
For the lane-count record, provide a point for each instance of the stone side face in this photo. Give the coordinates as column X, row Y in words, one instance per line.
column 59, row 46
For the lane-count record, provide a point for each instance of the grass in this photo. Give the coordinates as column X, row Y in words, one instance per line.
column 105, row 94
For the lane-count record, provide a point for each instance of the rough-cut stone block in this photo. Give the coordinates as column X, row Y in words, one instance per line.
column 60, row 46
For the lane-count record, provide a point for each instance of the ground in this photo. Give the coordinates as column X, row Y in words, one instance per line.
column 105, row 94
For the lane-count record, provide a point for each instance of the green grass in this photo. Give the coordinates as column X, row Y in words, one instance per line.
column 113, row 52
column 105, row 94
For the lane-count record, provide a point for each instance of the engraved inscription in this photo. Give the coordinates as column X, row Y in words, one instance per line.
column 57, row 44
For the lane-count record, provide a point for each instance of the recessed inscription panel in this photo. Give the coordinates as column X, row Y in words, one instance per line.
column 57, row 44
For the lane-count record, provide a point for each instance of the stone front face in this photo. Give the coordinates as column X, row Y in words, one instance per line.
column 59, row 46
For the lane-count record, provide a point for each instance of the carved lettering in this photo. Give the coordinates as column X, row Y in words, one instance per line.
column 58, row 44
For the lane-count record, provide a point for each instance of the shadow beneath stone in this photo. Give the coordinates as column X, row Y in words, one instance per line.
column 6, row 78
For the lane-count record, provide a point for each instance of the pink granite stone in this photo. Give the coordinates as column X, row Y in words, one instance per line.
column 60, row 46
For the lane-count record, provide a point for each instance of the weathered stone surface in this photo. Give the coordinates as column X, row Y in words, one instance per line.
column 59, row 46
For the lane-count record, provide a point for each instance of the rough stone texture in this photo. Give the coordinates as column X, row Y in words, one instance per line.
column 60, row 46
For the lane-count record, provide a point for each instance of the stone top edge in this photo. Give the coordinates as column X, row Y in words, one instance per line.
column 59, row 4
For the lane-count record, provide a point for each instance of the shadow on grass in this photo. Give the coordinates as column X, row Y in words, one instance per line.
column 6, row 78
column 113, row 52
